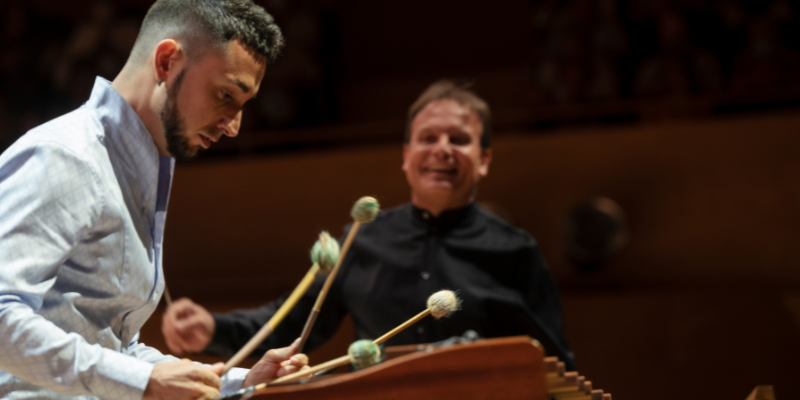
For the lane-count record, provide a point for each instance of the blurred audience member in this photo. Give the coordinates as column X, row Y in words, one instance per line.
column 679, row 68
column 579, row 43
column 765, row 64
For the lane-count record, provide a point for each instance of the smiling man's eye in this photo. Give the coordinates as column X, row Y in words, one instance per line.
column 226, row 95
column 429, row 138
column 459, row 140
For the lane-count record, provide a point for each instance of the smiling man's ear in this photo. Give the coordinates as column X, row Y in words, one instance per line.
column 486, row 159
column 404, row 167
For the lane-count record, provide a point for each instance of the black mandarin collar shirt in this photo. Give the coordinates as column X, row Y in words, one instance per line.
column 397, row 261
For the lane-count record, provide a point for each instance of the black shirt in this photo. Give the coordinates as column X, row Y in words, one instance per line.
column 397, row 261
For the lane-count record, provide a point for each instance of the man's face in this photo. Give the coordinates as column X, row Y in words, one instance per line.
column 209, row 105
column 443, row 160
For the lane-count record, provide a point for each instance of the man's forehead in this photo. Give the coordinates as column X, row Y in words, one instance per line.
column 445, row 111
column 238, row 65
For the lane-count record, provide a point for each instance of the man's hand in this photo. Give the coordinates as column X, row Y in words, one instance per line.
column 187, row 327
column 275, row 364
column 183, row 380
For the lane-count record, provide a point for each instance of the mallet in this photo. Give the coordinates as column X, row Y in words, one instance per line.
column 365, row 210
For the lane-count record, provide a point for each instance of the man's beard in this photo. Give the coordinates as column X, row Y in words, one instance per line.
column 173, row 123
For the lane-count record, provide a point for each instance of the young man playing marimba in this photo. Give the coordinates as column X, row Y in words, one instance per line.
column 83, row 202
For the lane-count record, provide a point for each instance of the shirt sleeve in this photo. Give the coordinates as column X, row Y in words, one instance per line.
column 231, row 382
column 49, row 199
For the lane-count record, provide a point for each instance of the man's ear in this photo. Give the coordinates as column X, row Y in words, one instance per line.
column 405, row 158
column 486, row 159
column 167, row 59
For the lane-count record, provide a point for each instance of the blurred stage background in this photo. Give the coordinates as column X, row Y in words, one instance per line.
column 684, row 113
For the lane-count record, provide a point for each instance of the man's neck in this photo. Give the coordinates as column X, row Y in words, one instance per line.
column 438, row 206
column 135, row 86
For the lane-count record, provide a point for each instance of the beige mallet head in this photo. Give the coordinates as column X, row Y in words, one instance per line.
column 442, row 303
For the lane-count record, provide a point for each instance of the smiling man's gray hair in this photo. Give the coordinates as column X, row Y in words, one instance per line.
column 202, row 25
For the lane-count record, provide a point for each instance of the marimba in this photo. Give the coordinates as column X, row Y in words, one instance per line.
column 505, row 368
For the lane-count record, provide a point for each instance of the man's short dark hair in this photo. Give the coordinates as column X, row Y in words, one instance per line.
column 461, row 94
column 208, row 24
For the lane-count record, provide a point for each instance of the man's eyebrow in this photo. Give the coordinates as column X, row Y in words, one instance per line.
column 240, row 84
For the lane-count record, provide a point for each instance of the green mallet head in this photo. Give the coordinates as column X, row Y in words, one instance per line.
column 365, row 210
column 364, row 353
column 325, row 252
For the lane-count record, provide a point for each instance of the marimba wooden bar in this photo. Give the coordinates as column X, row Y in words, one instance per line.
column 504, row 369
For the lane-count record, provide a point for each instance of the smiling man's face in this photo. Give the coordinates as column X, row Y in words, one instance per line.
column 205, row 100
column 443, row 160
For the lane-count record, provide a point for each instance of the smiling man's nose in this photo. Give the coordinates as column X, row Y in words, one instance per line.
column 443, row 145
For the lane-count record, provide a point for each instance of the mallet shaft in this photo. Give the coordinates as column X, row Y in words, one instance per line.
column 405, row 325
column 276, row 319
column 336, row 362
column 327, row 286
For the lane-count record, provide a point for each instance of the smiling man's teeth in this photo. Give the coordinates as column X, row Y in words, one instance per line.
column 441, row 170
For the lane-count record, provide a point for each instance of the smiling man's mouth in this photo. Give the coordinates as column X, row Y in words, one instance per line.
column 440, row 170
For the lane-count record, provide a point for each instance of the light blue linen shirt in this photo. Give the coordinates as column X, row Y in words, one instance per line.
column 83, row 203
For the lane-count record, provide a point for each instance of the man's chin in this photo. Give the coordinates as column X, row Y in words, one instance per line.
column 438, row 184
column 185, row 154
column 437, row 190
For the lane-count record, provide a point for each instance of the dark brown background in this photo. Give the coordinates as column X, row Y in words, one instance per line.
column 703, row 303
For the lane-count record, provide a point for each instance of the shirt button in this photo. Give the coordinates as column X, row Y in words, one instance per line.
column 421, row 330
column 426, row 215
column 425, row 275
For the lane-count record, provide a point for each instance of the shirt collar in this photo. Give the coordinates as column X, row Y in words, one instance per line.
column 447, row 219
column 137, row 164
column 121, row 124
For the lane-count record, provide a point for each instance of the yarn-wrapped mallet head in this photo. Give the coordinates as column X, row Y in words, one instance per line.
column 364, row 353
column 442, row 303
column 325, row 252
column 365, row 210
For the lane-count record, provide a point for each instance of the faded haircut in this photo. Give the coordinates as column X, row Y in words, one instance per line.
column 201, row 25
column 461, row 94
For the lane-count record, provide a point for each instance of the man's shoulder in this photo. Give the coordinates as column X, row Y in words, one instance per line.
column 69, row 147
column 401, row 211
column 387, row 221
column 502, row 230
column 76, row 132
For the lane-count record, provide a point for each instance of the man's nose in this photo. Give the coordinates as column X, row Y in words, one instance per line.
column 444, row 146
column 231, row 125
